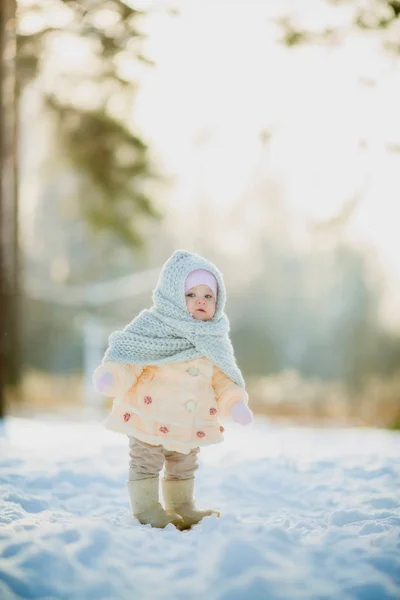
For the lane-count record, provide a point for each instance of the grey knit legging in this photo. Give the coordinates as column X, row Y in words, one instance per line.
column 146, row 461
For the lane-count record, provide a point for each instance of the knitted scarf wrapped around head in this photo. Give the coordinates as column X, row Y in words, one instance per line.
column 168, row 333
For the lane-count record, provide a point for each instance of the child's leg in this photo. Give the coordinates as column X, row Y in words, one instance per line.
column 178, row 487
column 145, row 461
column 145, row 464
column 180, row 466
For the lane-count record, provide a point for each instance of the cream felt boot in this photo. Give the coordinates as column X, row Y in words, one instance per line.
column 143, row 496
column 178, row 498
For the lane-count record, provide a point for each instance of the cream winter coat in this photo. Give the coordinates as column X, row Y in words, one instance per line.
column 178, row 405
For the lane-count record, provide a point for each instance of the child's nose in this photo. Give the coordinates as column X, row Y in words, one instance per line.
column 201, row 301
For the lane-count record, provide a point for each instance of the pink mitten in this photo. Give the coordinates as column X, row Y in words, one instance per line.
column 241, row 414
column 105, row 382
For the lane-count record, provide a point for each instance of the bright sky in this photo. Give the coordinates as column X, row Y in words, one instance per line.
column 223, row 77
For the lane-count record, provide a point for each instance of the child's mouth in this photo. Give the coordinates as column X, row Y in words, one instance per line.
column 201, row 309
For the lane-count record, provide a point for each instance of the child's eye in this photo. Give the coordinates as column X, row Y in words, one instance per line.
column 208, row 296
column 191, row 295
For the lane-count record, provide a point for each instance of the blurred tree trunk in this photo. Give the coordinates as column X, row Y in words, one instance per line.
column 9, row 256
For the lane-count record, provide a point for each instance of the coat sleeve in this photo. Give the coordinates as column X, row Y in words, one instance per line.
column 227, row 392
column 125, row 376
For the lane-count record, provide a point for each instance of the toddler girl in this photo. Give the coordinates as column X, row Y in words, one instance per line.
column 173, row 374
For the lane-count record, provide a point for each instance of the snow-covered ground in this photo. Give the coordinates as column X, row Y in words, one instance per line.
column 306, row 514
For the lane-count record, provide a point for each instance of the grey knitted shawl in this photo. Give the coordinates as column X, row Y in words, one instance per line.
column 167, row 333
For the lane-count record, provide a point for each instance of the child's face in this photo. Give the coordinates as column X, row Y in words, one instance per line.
column 200, row 302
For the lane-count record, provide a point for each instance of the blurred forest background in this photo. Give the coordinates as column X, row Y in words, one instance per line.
column 264, row 135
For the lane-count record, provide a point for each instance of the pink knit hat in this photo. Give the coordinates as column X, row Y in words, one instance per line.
column 201, row 277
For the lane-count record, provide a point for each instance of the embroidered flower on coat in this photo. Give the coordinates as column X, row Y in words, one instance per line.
column 193, row 371
column 148, row 400
column 213, row 411
column 127, row 416
column 200, row 434
column 164, row 429
column 190, row 405
column 222, row 429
